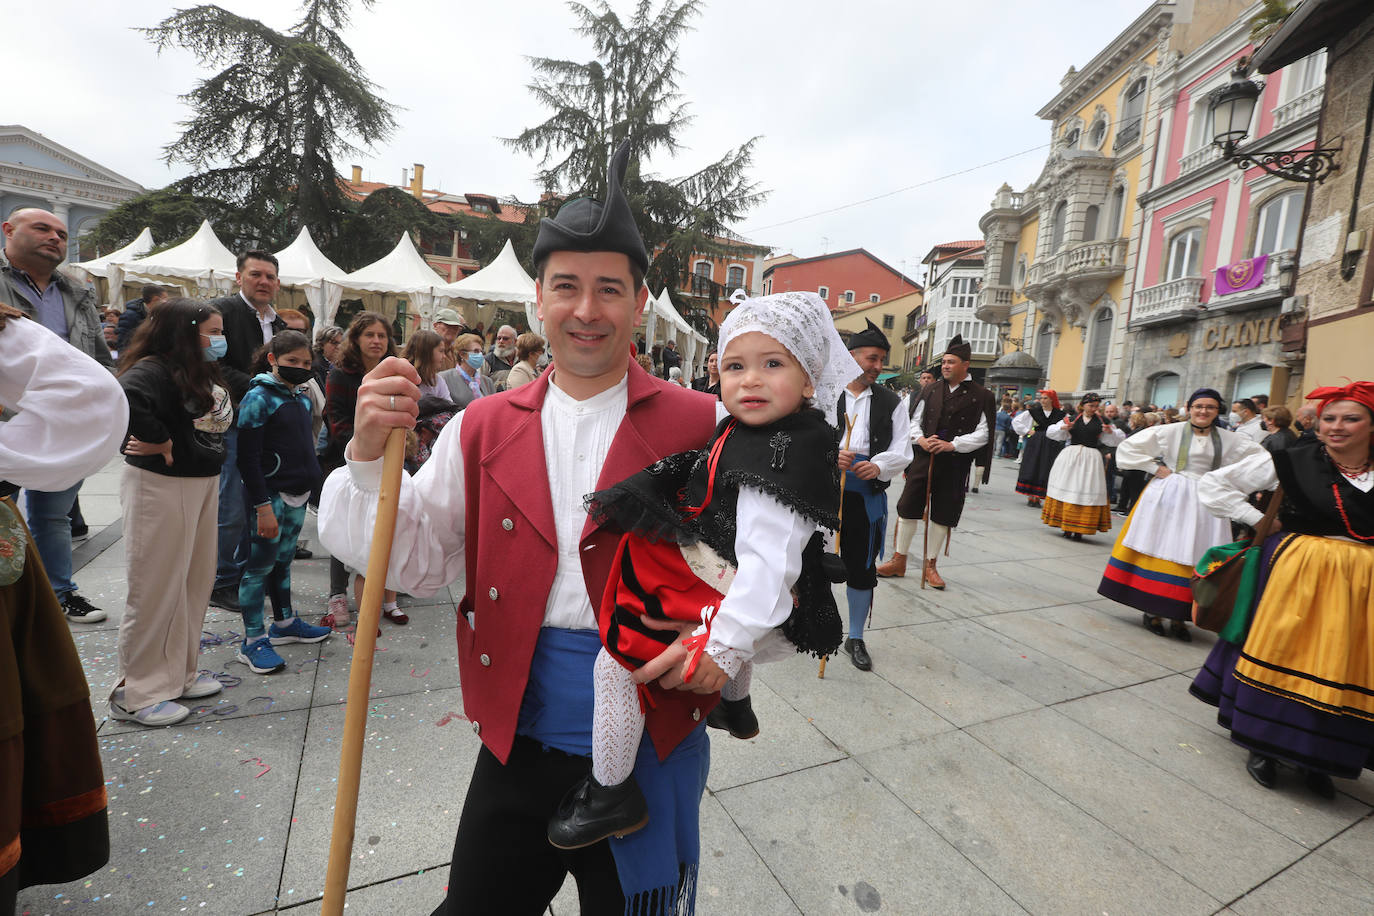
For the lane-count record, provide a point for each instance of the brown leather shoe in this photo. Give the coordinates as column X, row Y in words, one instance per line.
column 932, row 578
column 894, row 568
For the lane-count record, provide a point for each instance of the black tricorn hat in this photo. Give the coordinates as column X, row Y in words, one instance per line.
column 868, row 337
column 958, row 348
column 585, row 224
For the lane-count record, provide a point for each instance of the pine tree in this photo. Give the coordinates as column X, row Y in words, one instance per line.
column 629, row 90
column 267, row 127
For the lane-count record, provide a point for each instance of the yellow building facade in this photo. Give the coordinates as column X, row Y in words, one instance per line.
column 1061, row 253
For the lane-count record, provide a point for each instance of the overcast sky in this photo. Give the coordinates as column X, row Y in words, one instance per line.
column 852, row 100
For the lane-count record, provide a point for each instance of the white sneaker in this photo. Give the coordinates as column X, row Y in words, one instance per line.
column 156, row 715
column 205, row 686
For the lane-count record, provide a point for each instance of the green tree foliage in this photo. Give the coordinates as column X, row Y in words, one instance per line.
column 172, row 215
column 266, row 128
column 1271, row 15
column 629, row 90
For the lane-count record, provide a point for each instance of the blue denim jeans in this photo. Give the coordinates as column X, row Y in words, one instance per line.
column 268, row 571
column 52, row 534
column 233, row 530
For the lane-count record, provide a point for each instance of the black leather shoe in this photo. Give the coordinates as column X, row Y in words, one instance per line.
column 735, row 716
column 591, row 812
column 858, row 654
column 1179, row 630
column 226, row 597
column 1153, row 624
column 1262, row 769
column 1320, row 783
column 304, row 553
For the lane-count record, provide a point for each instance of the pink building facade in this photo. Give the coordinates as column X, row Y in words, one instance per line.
column 1218, row 245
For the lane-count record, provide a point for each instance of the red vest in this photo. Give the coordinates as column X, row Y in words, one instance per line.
column 512, row 550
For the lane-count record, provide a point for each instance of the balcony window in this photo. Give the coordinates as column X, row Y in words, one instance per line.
column 1279, row 222
column 1117, row 213
column 1090, row 224
column 964, row 293
column 1044, row 343
column 1185, row 255
column 1305, row 75
column 1132, row 114
column 734, row 278
column 702, row 269
column 1057, row 225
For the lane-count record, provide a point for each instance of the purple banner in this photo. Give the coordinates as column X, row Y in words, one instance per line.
column 1241, row 276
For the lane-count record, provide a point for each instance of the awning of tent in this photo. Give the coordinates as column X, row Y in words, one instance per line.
column 98, row 267
column 402, row 273
column 302, row 265
column 502, row 282
column 202, row 260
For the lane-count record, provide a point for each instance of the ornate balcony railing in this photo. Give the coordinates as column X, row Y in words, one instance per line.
column 1310, row 102
column 1173, row 300
column 1085, row 260
column 1198, row 158
column 994, row 304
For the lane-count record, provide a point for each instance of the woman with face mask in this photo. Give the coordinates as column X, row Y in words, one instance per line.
column 465, row 382
column 276, row 458
column 169, row 494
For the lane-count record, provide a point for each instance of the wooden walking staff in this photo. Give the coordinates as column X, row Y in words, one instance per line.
column 848, row 431
column 925, row 517
column 360, row 677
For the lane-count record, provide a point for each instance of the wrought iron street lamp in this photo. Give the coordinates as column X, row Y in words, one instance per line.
column 1233, row 106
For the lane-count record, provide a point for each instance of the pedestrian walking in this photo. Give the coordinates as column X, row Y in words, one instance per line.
column 169, row 493
column 277, row 462
column 1169, row 529
column 1076, row 500
column 1040, row 450
column 1299, row 687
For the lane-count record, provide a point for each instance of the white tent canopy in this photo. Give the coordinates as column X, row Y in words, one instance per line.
column 98, row 267
column 302, row 265
column 202, row 260
column 662, row 322
column 502, row 282
column 401, row 274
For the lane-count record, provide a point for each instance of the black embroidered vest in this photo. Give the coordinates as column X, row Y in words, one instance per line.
column 1309, row 502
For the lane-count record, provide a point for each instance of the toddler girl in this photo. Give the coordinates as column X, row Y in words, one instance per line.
column 726, row 537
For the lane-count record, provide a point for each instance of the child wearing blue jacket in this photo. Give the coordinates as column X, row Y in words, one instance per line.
column 276, row 458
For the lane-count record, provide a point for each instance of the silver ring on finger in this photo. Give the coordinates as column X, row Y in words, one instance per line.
column 393, row 402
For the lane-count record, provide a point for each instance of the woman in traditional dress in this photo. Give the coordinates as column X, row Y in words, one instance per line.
column 1300, row 686
column 1076, row 498
column 1040, row 451
column 1168, row 531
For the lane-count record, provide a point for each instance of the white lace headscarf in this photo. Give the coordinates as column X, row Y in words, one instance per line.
column 801, row 322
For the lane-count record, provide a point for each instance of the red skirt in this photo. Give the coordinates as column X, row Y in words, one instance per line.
column 649, row 581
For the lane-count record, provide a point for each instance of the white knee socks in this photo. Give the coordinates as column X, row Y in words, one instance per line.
column 906, row 530
column 936, row 543
column 617, row 723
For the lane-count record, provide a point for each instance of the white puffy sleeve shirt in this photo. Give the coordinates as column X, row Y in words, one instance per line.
column 897, row 456
column 67, row 415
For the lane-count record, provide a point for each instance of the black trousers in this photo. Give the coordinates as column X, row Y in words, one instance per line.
column 502, row 860
column 857, row 542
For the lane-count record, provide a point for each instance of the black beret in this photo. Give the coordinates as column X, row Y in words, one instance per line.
column 585, row 224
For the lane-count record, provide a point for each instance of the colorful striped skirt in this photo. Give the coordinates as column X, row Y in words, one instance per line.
column 1161, row 588
column 1301, row 689
column 1076, row 493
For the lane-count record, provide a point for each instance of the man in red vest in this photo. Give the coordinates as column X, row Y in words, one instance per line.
column 500, row 503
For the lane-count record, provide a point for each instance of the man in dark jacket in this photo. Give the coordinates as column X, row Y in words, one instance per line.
column 35, row 243
column 671, row 358
column 249, row 322
column 135, row 312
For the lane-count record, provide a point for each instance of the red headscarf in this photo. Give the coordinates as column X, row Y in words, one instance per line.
column 1051, row 394
column 1359, row 392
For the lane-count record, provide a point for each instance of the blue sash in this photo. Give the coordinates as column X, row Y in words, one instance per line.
column 875, row 504
column 557, row 712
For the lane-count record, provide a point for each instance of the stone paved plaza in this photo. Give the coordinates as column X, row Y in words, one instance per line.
column 1021, row 746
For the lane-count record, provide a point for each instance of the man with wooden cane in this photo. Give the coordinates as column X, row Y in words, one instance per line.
column 500, row 502
column 951, row 422
column 877, row 448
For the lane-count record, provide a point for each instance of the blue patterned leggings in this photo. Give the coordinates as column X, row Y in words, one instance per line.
column 268, row 573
